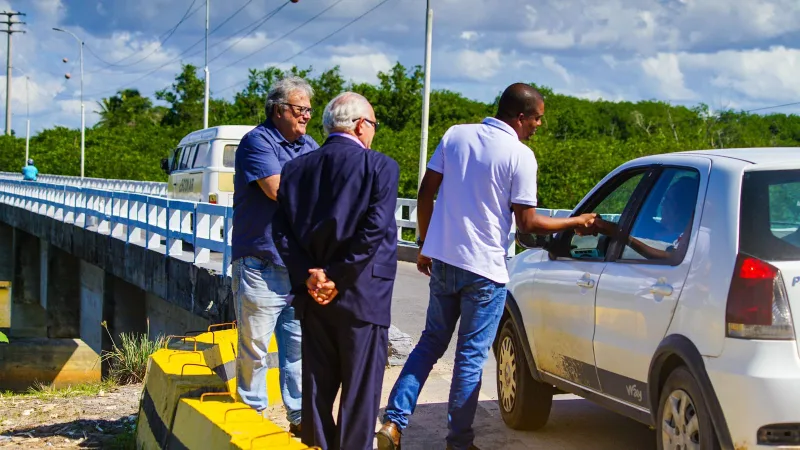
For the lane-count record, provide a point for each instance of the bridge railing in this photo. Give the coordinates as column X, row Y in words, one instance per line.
column 138, row 219
column 153, row 221
column 140, row 187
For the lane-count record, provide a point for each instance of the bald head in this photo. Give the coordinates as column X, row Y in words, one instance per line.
column 519, row 98
column 522, row 107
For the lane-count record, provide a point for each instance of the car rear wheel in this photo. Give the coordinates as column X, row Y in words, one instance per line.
column 683, row 419
column 524, row 402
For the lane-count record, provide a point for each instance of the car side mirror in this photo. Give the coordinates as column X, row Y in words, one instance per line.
column 165, row 165
column 532, row 241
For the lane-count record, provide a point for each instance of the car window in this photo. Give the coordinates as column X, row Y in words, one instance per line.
column 610, row 207
column 176, row 159
column 188, row 154
column 662, row 228
column 200, row 155
column 229, row 155
column 769, row 219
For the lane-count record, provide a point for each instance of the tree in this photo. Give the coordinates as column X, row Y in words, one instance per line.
column 127, row 108
column 185, row 98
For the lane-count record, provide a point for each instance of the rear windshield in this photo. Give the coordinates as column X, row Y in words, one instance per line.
column 770, row 215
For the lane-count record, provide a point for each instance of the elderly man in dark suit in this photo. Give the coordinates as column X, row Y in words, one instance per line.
column 336, row 232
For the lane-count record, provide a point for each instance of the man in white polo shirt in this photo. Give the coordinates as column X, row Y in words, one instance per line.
column 482, row 173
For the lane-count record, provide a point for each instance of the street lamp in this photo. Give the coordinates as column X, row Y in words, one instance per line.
column 83, row 116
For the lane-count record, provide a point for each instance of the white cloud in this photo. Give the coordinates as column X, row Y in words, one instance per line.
column 247, row 44
column 469, row 35
column 359, row 62
column 546, row 40
column 770, row 74
column 664, row 69
column 552, row 65
column 472, row 64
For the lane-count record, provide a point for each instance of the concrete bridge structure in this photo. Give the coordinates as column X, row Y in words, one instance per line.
column 85, row 260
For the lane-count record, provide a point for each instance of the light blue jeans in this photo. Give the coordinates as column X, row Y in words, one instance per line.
column 479, row 303
column 261, row 292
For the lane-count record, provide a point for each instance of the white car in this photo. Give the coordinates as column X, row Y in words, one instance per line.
column 678, row 314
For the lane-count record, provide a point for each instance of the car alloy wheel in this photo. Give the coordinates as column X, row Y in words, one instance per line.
column 507, row 365
column 681, row 425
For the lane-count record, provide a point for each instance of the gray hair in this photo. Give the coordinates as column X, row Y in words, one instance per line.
column 280, row 91
column 342, row 112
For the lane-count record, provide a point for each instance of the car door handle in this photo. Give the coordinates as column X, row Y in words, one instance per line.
column 663, row 290
column 586, row 283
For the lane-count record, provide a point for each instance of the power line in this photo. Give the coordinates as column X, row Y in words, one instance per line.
column 772, row 107
column 281, row 38
column 189, row 12
column 258, row 25
column 307, row 48
column 177, row 58
column 335, row 32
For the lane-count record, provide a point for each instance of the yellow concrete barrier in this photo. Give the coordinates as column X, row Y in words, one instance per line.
column 218, row 423
column 192, row 381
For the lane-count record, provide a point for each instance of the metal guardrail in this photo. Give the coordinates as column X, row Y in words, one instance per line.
column 139, row 187
column 147, row 219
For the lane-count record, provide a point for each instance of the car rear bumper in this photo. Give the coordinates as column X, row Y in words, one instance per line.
column 757, row 384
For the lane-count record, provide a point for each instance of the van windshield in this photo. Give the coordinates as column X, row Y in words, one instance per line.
column 229, row 155
column 770, row 215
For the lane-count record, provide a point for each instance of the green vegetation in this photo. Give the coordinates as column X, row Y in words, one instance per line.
column 3, row 338
column 579, row 143
column 128, row 362
column 44, row 391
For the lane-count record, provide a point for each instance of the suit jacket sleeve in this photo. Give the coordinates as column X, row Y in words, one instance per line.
column 293, row 253
column 359, row 250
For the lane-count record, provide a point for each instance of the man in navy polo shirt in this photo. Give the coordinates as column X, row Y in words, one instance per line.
column 260, row 279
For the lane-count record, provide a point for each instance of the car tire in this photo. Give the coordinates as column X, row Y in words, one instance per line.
column 524, row 402
column 683, row 418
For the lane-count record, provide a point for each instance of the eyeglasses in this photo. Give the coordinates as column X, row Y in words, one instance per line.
column 299, row 110
column 371, row 122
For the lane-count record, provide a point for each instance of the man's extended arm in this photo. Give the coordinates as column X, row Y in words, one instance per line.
column 530, row 222
column 359, row 250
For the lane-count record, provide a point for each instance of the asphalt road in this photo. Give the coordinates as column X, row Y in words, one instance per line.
column 574, row 423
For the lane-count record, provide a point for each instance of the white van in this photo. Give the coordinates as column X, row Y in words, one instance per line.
column 200, row 169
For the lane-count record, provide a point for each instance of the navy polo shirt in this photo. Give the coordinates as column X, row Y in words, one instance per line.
column 262, row 153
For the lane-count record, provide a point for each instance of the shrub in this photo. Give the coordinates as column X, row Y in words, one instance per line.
column 128, row 361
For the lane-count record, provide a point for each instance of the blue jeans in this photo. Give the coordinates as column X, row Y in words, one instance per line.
column 479, row 302
column 261, row 292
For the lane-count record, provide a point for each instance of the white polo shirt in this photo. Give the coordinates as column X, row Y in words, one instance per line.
column 485, row 169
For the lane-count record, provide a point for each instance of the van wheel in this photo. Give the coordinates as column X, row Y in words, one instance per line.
column 524, row 402
column 683, row 419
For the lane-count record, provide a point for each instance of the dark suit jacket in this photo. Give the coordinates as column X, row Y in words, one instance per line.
column 336, row 212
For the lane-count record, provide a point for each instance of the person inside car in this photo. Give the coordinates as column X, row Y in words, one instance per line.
column 659, row 240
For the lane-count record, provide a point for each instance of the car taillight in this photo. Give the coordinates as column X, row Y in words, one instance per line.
column 758, row 306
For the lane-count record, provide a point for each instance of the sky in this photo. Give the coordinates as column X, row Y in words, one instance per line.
column 728, row 54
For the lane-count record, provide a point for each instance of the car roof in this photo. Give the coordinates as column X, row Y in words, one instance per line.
column 759, row 155
column 235, row 132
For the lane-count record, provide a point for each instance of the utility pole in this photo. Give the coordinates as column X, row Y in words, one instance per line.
column 27, row 119
column 9, row 31
column 205, row 99
column 83, row 109
column 426, row 96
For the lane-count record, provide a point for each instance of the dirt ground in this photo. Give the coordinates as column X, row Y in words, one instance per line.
column 103, row 420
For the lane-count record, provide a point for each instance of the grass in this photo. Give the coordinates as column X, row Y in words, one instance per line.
column 128, row 361
column 125, row 440
column 44, row 391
